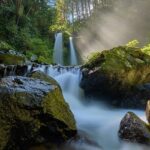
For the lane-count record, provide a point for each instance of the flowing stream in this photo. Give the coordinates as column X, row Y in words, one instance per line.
column 98, row 120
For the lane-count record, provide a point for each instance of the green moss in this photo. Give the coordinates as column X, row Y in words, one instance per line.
column 54, row 101
column 129, row 65
column 54, row 104
column 42, row 76
column 11, row 59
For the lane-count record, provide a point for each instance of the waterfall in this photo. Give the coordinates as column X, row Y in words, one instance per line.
column 58, row 49
column 73, row 55
column 99, row 121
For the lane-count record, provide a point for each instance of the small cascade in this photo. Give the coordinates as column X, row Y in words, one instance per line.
column 9, row 70
column 73, row 55
column 5, row 71
column 58, row 49
column 14, row 70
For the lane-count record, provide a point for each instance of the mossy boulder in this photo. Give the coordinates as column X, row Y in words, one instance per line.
column 133, row 129
column 121, row 73
column 33, row 112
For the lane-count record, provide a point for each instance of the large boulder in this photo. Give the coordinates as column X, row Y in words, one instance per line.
column 133, row 129
column 122, row 74
column 33, row 112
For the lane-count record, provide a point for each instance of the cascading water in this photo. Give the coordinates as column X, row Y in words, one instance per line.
column 73, row 56
column 98, row 120
column 58, row 49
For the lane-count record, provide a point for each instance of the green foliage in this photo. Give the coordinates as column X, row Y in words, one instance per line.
column 118, row 59
column 146, row 49
column 133, row 43
column 41, row 50
column 93, row 56
column 94, row 59
column 127, row 64
column 5, row 46
column 60, row 22
column 25, row 26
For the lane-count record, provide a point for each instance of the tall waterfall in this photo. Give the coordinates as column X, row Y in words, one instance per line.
column 99, row 121
column 58, row 49
column 73, row 55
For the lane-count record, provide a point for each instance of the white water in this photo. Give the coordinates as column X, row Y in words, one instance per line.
column 73, row 55
column 58, row 49
column 99, row 121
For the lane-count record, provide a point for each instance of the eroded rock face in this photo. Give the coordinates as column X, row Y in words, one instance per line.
column 33, row 112
column 133, row 129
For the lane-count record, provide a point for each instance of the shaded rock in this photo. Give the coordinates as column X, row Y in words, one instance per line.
column 148, row 111
column 9, row 70
column 133, row 129
column 21, row 70
column 33, row 112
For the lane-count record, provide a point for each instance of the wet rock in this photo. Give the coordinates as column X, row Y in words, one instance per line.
column 42, row 76
column 33, row 112
column 148, row 111
column 133, row 129
column 9, row 70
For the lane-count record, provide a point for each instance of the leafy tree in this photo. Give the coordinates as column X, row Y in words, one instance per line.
column 133, row 43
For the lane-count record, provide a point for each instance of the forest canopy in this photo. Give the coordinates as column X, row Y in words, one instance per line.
column 29, row 26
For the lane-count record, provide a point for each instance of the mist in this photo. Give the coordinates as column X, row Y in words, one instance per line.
column 125, row 21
